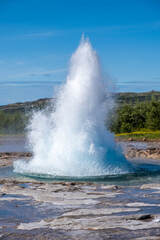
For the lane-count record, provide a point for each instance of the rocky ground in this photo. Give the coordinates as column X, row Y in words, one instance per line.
column 34, row 210
column 148, row 153
column 7, row 158
column 131, row 152
column 31, row 209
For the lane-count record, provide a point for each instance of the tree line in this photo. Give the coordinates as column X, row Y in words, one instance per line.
column 126, row 117
column 130, row 117
column 12, row 123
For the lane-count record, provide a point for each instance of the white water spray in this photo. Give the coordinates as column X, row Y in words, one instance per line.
column 72, row 140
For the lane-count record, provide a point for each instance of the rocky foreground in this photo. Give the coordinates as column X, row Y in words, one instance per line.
column 69, row 210
column 148, row 153
column 31, row 209
column 7, row 158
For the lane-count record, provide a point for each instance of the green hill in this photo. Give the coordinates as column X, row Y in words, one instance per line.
column 123, row 97
column 22, row 107
column 133, row 112
column 132, row 97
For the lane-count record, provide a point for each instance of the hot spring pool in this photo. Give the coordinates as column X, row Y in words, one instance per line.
column 145, row 172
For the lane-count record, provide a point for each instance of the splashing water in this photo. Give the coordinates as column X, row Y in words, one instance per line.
column 72, row 140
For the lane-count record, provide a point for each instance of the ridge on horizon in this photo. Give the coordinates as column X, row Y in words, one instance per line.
column 121, row 97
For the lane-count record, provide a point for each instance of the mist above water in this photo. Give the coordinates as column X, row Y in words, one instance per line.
column 72, row 140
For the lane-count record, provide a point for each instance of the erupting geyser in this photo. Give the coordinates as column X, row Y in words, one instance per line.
column 72, row 139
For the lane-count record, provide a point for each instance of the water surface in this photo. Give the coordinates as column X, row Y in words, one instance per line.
column 13, row 144
column 146, row 171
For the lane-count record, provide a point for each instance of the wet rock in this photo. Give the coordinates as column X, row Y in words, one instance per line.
column 130, row 139
column 155, row 186
column 99, row 211
column 150, row 153
column 81, row 208
column 88, row 223
column 142, row 204
column 7, row 187
column 145, row 217
column 113, row 187
column 7, row 158
column 142, row 217
column 14, row 155
column 149, row 238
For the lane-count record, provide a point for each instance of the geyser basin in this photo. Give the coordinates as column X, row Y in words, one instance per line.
column 72, row 140
column 143, row 174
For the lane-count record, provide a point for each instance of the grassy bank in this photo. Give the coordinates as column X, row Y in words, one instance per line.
column 136, row 136
column 139, row 135
column 12, row 135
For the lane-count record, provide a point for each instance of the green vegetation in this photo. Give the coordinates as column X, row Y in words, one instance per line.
column 132, row 97
column 139, row 135
column 12, row 123
column 137, row 116
column 128, row 118
column 14, row 117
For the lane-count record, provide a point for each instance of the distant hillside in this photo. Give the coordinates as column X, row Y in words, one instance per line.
column 126, row 97
column 128, row 117
column 25, row 107
column 132, row 97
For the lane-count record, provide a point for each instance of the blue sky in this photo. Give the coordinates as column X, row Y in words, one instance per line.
column 37, row 39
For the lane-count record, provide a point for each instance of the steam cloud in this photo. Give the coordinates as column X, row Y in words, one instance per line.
column 72, row 140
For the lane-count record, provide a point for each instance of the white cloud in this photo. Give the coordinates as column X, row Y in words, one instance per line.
column 40, row 34
column 33, row 73
column 20, row 63
column 49, row 72
column 34, row 34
